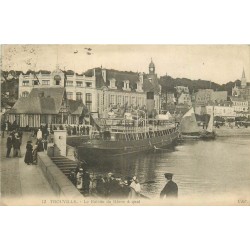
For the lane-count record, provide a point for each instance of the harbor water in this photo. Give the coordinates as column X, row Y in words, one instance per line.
column 200, row 168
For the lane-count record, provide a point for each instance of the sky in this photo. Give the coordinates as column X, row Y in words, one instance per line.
column 217, row 63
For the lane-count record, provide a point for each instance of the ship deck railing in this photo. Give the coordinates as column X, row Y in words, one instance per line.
column 132, row 135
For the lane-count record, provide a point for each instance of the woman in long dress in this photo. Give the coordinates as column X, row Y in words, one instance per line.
column 28, row 159
column 135, row 188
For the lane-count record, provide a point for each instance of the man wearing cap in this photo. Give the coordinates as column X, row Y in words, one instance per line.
column 171, row 189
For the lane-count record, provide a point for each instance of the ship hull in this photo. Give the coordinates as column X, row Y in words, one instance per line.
column 99, row 150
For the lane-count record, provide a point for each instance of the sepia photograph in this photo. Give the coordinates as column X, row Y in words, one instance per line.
column 124, row 124
column 130, row 125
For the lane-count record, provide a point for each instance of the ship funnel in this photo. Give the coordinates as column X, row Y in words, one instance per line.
column 150, row 103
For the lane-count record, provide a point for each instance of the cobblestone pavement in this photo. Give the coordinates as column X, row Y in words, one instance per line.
column 19, row 180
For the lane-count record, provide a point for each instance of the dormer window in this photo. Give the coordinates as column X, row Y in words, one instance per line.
column 112, row 83
column 126, row 85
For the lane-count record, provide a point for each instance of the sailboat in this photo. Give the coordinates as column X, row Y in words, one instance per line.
column 188, row 126
column 209, row 133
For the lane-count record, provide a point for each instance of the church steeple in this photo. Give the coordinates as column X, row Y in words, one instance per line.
column 243, row 74
column 151, row 67
column 243, row 79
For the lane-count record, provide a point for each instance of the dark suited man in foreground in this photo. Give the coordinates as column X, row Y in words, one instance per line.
column 171, row 189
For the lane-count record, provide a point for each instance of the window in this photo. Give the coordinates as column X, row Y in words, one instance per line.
column 70, row 95
column 89, row 106
column 35, row 82
column 119, row 101
column 140, row 101
column 45, row 82
column 88, row 84
column 25, row 94
column 79, row 84
column 133, row 100
column 25, row 83
column 69, row 83
column 89, row 101
column 78, row 96
column 88, row 97
column 112, row 84
column 126, row 99
column 126, row 85
column 112, row 99
column 73, row 119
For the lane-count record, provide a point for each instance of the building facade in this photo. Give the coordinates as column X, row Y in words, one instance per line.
column 120, row 90
column 184, row 98
column 225, row 110
column 204, row 96
column 242, row 92
column 240, row 105
column 78, row 86
column 99, row 89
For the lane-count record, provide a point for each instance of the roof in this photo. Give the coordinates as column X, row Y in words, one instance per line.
column 40, row 101
column 46, row 100
column 54, row 92
column 151, row 85
column 121, row 76
column 118, row 76
column 75, row 107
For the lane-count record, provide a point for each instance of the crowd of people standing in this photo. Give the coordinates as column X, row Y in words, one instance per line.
column 107, row 186
column 15, row 140
column 78, row 129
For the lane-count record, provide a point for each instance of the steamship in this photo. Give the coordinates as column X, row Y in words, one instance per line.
column 126, row 135
column 121, row 137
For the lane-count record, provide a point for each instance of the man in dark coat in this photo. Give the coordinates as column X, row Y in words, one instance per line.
column 171, row 189
column 9, row 145
column 16, row 146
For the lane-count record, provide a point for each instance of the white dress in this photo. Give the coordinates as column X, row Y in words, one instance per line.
column 79, row 180
column 39, row 134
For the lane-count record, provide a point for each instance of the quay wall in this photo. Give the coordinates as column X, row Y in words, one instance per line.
column 60, row 184
column 227, row 132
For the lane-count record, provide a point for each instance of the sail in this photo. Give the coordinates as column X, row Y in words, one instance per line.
column 210, row 123
column 188, row 123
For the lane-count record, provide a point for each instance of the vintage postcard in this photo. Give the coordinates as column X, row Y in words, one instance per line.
column 127, row 125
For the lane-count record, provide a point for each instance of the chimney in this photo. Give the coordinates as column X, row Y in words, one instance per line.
column 104, row 75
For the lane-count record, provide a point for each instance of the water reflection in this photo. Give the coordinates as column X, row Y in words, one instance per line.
column 200, row 167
